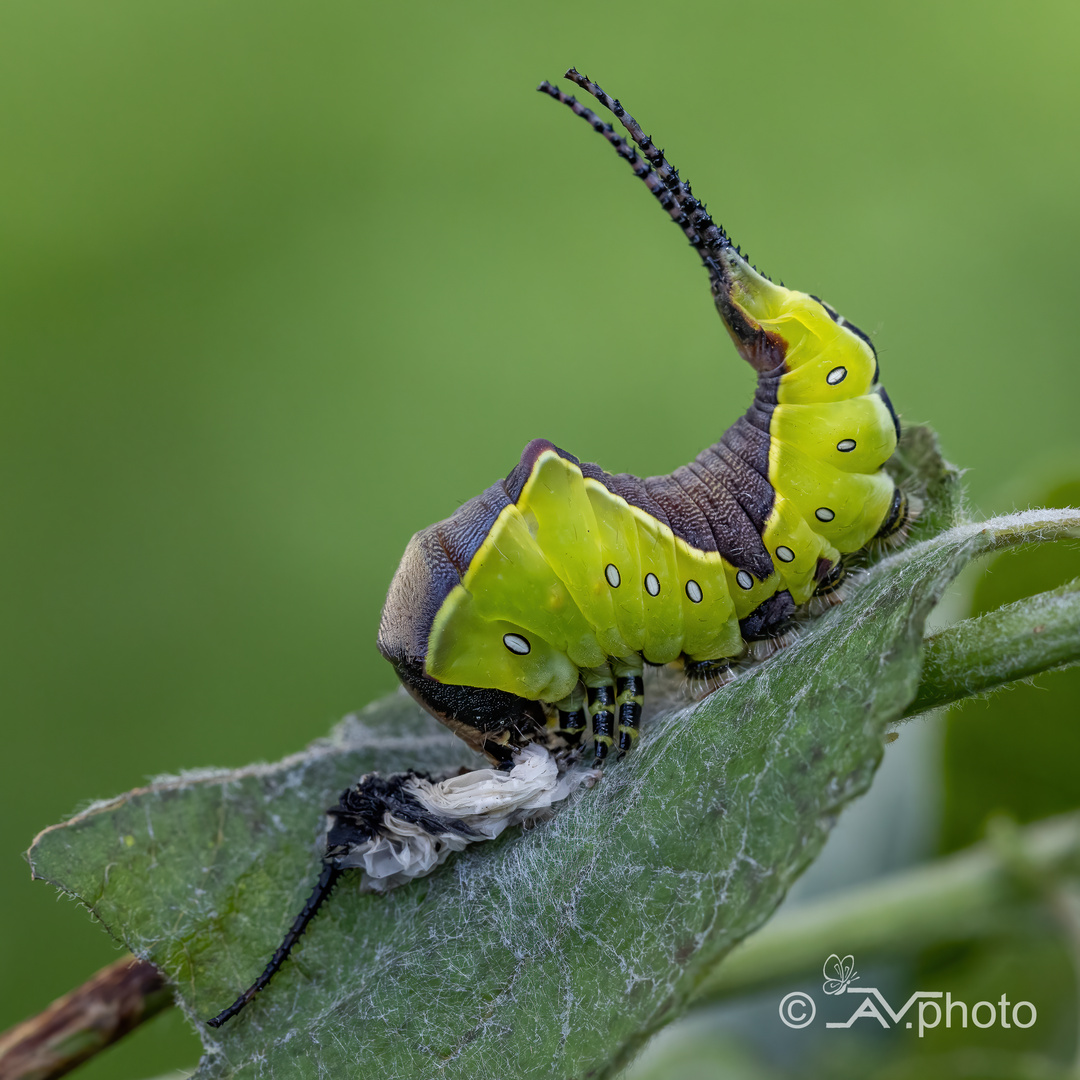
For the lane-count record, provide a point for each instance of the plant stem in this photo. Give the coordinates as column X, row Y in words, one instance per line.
column 962, row 896
column 1036, row 634
column 83, row 1022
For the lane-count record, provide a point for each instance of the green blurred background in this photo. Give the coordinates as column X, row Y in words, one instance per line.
column 284, row 282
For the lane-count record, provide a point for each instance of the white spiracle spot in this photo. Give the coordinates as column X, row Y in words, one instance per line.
column 517, row 644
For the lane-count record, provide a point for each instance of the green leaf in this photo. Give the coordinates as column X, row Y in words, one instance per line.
column 553, row 951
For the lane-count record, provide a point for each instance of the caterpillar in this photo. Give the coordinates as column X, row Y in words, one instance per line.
column 530, row 613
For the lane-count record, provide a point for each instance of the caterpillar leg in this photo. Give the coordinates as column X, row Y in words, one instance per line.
column 600, row 691
column 830, row 581
column 572, row 717
column 630, row 696
column 899, row 518
column 708, row 675
column 501, row 749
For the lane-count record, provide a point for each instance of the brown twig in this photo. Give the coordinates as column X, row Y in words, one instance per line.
column 84, row 1021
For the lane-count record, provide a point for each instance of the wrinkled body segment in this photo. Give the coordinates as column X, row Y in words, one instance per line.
column 531, row 611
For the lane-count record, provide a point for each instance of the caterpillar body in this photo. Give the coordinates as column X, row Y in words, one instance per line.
column 531, row 612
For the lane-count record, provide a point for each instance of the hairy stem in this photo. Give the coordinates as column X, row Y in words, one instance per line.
column 1036, row 634
column 967, row 895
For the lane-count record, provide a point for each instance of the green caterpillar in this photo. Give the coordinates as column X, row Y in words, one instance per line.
column 533, row 609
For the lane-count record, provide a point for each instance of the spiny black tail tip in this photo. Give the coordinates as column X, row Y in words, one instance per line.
column 225, row 1014
column 234, row 1009
column 547, row 88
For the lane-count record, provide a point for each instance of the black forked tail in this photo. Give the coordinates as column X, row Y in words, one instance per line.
column 712, row 235
column 672, row 194
column 662, row 179
column 325, row 885
column 718, row 254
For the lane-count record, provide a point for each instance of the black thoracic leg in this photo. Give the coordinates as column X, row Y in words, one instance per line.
column 630, row 696
column 573, row 716
column 600, row 689
column 830, row 578
column 501, row 750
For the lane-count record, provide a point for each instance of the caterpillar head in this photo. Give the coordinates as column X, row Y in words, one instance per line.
column 491, row 721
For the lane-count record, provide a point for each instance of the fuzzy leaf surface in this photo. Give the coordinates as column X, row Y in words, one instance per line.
column 553, row 951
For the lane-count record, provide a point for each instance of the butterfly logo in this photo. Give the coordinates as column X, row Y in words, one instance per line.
column 838, row 973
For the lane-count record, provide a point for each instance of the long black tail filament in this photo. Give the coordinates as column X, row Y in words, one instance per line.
column 673, row 193
column 325, row 885
column 671, row 198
